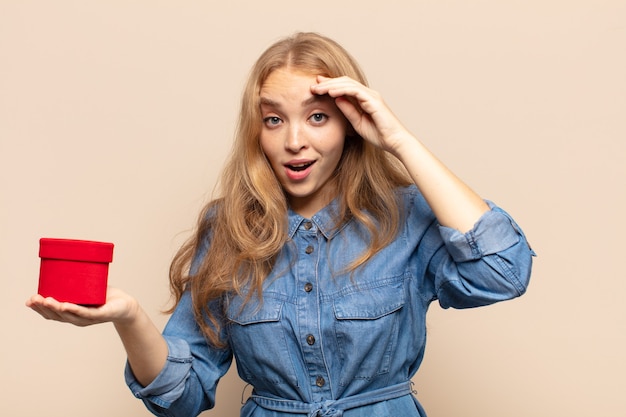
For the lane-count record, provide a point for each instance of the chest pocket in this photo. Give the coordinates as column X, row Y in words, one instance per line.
column 366, row 328
column 259, row 342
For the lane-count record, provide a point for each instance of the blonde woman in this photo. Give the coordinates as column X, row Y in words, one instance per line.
column 335, row 230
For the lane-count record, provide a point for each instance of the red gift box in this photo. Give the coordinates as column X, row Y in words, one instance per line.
column 74, row 271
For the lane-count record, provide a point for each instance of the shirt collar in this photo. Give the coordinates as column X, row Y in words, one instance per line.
column 326, row 220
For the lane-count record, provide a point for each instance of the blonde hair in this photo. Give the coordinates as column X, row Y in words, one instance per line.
column 247, row 224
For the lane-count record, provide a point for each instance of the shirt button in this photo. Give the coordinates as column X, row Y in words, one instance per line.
column 308, row 287
column 320, row 381
column 308, row 225
column 308, row 250
column 310, row 339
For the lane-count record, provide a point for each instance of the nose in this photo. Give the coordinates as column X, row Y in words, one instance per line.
column 296, row 139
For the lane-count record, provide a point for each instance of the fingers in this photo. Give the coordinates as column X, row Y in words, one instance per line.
column 36, row 303
column 349, row 110
column 348, row 95
column 363, row 107
column 46, row 307
column 342, row 86
column 364, row 99
column 51, row 309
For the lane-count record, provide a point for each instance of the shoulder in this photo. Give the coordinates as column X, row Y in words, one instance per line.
column 407, row 191
column 416, row 215
column 411, row 199
column 212, row 210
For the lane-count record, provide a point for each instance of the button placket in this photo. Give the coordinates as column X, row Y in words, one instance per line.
column 308, row 240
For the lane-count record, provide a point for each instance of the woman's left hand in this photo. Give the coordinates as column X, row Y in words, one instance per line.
column 452, row 201
column 365, row 110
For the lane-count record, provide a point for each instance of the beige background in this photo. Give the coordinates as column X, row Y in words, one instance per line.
column 116, row 116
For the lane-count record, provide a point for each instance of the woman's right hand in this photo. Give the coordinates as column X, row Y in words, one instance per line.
column 146, row 348
column 120, row 308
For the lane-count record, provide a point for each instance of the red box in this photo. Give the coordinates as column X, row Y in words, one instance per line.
column 74, row 271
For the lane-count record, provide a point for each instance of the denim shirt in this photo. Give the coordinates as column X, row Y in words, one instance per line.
column 327, row 342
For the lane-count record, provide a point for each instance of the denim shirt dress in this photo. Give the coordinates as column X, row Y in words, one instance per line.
column 327, row 342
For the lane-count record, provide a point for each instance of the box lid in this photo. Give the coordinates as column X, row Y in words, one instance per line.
column 77, row 250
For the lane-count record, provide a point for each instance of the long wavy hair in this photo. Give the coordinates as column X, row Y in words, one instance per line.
column 247, row 223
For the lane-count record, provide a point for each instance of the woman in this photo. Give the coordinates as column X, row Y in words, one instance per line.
column 335, row 230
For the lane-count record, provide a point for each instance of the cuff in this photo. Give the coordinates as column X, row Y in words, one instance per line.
column 168, row 386
column 494, row 232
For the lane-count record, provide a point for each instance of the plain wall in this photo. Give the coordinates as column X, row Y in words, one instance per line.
column 116, row 118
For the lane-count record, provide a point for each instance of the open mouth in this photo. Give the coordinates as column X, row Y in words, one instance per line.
column 299, row 167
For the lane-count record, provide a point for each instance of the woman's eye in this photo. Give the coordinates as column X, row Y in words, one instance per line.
column 318, row 117
column 272, row 120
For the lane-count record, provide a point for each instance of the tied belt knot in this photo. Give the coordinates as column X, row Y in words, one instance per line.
column 326, row 410
column 333, row 408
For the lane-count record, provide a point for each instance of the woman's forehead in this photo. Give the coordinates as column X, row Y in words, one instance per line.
column 287, row 85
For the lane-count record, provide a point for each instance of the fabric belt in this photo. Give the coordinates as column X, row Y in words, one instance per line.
column 333, row 408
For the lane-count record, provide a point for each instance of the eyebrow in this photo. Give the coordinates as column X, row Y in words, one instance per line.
column 265, row 101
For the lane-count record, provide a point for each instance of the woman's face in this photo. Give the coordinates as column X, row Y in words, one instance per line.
column 302, row 136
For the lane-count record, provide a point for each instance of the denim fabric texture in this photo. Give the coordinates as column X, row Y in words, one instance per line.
column 325, row 342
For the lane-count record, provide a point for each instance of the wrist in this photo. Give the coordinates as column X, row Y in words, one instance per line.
column 404, row 146
column 132, row 314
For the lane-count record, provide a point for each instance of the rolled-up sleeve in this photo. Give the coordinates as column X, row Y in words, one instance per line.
column 168, row 386
column 489, row 263
column 187, row 384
